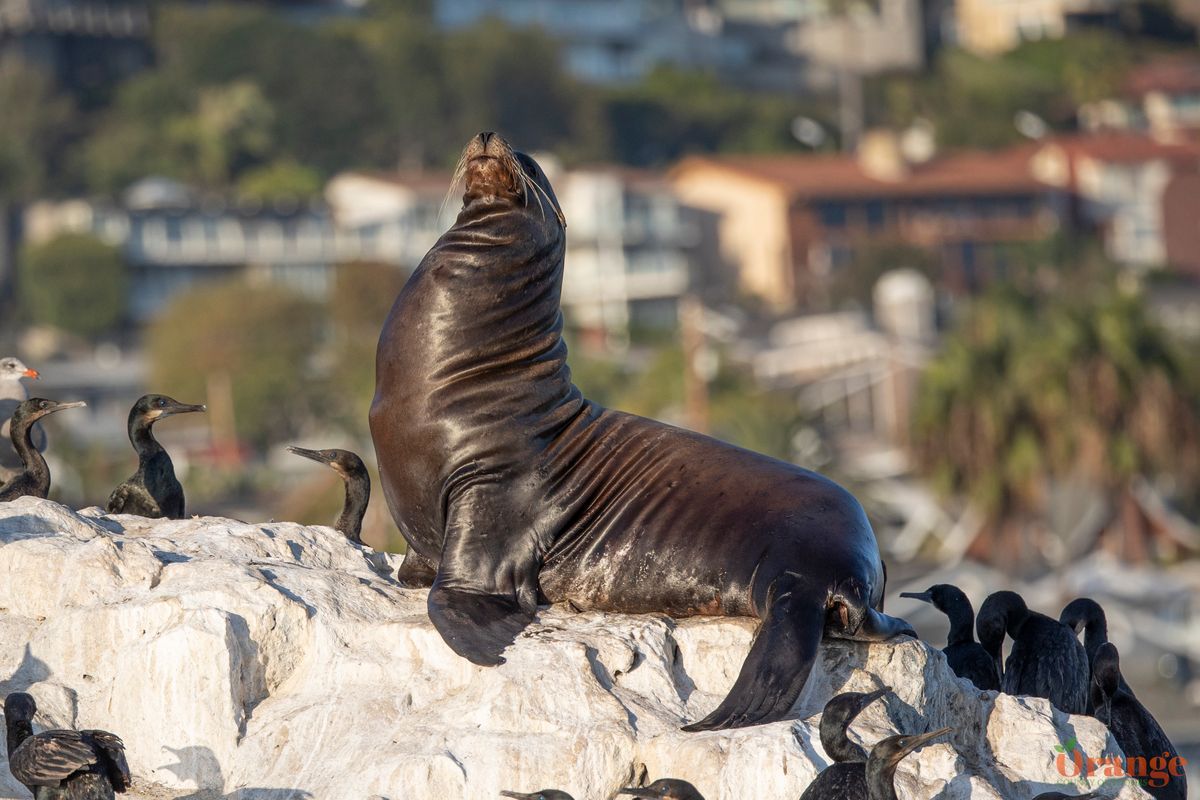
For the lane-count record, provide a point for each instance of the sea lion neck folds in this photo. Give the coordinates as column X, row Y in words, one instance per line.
column 520, row 491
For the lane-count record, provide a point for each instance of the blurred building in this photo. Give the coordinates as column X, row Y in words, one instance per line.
column 629, row 242
column 619, row 41
column 1137, row 193
column 1160, row 97
column 630, row 245
column 857, row 375
column 869, row 39
column 607, row 41
column 394, row 217
column 173, row 239
column 85, row 44
column 788, row 224
column 995, row 26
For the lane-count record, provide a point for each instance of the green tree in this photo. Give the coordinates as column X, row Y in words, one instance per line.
column 740, row 411
column 672, row 113
column 280, row 180
column 362, row 296
column 34, row 121
column 972, row 100
column 1029, row 390
column 74, row 282
column 261, row 339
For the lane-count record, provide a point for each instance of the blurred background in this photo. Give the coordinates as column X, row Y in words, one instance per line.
column 947, row 251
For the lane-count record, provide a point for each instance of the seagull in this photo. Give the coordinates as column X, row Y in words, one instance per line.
column 12, row 394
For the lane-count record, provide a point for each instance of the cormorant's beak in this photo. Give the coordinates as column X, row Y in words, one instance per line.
column 923, row 738
column 183, row 408
column 32, row 373
column 59, row 407
column 315, row 455
column 924, row 597
column 871, row 697
column 642, row 792
column 517, row 795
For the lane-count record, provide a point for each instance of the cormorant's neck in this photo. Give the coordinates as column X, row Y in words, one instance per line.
column 881, row 780
column 837, row 744
column 1095, row 633
column 358, row 494
column 141, row 436
column 962, row 623
column 31, row 460
column 17, row 732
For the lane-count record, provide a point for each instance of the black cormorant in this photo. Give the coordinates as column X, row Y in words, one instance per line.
column 153, row 491
column 965, row 656
column 1134, row 728
column 358, row 487
column 544, row 794
column 1046, row 659
column 849, row 759
column 62, row 765
column 34, row 477
column 1085, row 614
column 665, row 789
column 874, row 780
column 12, row 394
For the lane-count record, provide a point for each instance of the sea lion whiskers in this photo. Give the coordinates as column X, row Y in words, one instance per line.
column 460, row 171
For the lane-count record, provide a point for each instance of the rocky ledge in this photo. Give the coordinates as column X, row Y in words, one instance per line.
column 280, row 661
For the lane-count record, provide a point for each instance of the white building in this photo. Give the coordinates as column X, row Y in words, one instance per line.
column 858, row 375
column 628, row 239
column 172, row 239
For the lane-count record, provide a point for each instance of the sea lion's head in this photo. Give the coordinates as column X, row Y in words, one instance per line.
column 496, row 175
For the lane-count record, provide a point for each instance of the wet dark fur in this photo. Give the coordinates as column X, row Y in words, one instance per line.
column 514, row 490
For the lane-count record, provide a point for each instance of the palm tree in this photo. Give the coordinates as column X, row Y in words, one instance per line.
column 1028, row 392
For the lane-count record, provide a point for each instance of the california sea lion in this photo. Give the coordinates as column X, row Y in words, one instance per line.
column 518, row 491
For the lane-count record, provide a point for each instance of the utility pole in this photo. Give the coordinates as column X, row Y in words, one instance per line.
column 695, row 363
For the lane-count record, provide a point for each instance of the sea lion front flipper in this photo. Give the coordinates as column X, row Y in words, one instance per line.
column 476, row 626
column 780, row 659
column 485, row 591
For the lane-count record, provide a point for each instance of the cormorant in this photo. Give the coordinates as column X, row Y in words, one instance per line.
column 665, row 789
column 1134, row 728
column 62, row 765
column 1085, row 614
column 12, row 394
column 965, row 656
column 34, row 478
column 849, row 759
column 1046, row 659
column 544, row 794
column 358, row 487
column 153, row 491
column 874, row 780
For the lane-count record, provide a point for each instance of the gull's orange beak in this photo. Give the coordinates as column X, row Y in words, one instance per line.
column 32, row 373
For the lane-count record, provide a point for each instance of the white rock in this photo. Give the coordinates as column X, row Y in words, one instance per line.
column 280, row 661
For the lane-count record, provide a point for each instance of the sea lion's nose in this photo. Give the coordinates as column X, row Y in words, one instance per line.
column 486, row 137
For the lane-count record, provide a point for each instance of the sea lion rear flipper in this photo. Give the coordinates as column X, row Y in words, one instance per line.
column 416, row 571
column 485, row 591
column 780, row 659
column 879, row 627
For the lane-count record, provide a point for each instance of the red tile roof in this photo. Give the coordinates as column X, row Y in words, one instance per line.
column 810, row 176
column 1125, row 148
column 1179, row 75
